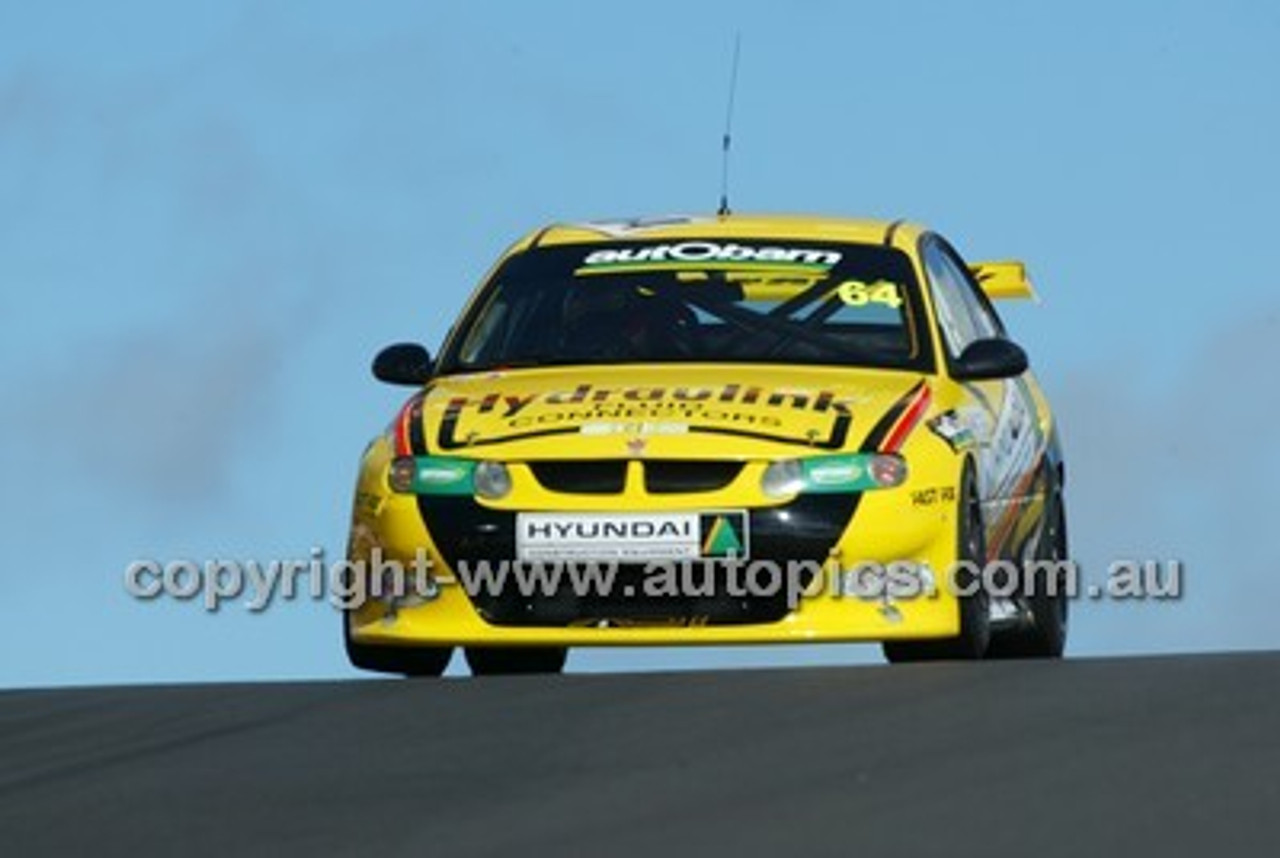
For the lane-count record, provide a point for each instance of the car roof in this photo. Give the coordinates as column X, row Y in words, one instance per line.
column 791, row 226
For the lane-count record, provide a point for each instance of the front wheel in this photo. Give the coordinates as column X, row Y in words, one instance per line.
column 498, row 660
column 1044, row 632
column 424, row 662
column 974, row 603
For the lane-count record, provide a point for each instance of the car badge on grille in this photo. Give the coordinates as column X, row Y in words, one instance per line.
column 635, row 446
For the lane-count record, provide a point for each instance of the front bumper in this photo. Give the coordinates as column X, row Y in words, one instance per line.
column 833, row 532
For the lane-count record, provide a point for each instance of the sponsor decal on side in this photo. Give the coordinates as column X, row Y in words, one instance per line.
column 934, row 495
column 951, row 427
column 1016, row 442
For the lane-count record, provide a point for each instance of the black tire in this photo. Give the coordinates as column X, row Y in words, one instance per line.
column 500, row 660
column 975, row 610
column 418, row 662
column 1045, row 633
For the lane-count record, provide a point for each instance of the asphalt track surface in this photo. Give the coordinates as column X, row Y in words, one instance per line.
column 1157, row 756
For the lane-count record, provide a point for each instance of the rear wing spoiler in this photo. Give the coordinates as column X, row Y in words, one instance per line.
column 1003, row 280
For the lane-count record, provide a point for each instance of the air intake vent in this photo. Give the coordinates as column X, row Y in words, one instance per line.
column 674, row 477
column 585, row 478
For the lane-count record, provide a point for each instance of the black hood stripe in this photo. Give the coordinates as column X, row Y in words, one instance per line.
column 885, row 425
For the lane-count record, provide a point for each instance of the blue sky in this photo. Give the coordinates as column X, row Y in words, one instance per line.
column 211, row 216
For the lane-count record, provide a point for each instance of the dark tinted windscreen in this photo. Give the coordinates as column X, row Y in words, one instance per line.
column 754, row 301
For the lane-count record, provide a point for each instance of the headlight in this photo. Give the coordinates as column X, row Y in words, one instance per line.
column 888, row 470
column 848, row 472
column 492, row 480
column 431, row 475
column 782, row 478
column 403, row 474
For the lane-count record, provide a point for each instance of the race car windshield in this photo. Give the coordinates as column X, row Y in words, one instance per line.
column 748, row 301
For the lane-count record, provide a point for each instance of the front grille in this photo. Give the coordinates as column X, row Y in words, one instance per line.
column 672, row 477
column 606, row 477
column 804, row 529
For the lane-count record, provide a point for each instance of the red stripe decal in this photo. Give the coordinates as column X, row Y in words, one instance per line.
column 908, row 421
column 402, row 427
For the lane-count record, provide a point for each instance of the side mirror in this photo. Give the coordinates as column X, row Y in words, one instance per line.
column 403, row 363
column 990, row 359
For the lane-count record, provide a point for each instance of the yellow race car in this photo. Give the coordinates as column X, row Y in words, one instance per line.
column 720, row 430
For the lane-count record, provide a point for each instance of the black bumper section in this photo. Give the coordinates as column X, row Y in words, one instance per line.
column 804, row 530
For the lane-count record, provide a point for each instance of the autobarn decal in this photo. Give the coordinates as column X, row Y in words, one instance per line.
column 695, row 252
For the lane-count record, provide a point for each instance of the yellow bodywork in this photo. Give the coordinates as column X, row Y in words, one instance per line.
column 1003, row 280
column 791, row 415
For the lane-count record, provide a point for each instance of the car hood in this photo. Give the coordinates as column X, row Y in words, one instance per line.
column 669, row 411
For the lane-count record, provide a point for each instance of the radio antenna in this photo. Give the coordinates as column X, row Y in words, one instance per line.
column 726, row 142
